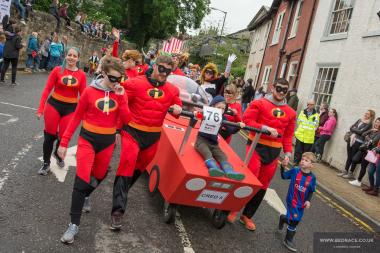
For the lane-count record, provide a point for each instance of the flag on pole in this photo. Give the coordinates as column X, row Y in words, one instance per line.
column 173, row 45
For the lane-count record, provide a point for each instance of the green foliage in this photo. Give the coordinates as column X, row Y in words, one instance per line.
column 159, row 19
column 221, row 51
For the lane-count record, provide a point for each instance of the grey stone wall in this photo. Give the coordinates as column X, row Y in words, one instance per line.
column 44, row 23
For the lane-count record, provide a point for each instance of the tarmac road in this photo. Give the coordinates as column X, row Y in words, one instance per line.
column 34, row 210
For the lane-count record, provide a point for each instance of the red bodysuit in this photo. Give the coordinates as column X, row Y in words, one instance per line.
column 265, row 113
column 178, row 71
column 58, row 109
column 237, row 117
column 148, row 106
column 99, row 111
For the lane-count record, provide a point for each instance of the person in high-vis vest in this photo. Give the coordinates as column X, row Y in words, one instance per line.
column 307, row 124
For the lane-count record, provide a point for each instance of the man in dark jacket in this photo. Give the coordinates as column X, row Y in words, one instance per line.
column 293, row 99
column 54, row 10
column 248, row 93
column 11, row 53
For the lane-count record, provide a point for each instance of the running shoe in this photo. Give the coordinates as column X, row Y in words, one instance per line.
column 71, row 232
column 44, row 170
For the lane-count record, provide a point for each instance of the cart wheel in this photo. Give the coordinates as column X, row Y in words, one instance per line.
column 154, row 180
column 219, row 218
column 169, row 212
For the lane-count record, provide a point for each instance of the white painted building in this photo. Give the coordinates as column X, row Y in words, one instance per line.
column 259, row 27
column 342, row 65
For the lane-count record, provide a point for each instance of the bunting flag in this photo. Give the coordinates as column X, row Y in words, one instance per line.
column 173, row 45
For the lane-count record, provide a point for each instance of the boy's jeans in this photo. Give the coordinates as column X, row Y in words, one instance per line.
column 20, row 8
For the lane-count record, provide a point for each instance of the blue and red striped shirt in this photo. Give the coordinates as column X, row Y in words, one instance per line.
column 300, row 188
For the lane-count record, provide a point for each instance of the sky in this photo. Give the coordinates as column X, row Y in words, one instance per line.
column 239, row 14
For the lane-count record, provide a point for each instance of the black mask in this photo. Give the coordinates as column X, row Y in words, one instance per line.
column 280, row 89
column 152, row 81
column 114, row 79
column 162, row 69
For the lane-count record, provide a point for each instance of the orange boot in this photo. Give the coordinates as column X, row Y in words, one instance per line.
column 248, row 223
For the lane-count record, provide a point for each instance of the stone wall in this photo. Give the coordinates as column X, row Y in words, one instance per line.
column 44, row 24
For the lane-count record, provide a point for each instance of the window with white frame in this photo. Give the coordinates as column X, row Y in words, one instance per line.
column 277, row 28
column 292, row 74
column 341, row 16
column 266, row 76
column 267, row 30
column 296, row 19
column 324, row 84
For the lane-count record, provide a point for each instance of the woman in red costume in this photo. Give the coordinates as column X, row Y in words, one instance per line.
column 149, row 98
column 130, row 57
column 99, row 109
column 64, row 84
column 233, row 112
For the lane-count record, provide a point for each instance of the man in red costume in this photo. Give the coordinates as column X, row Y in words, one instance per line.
column 273, row 114
column 149, row 98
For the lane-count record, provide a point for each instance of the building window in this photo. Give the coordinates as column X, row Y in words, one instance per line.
column 292, row 74
column 277, row 28
column 267, row 30
column 324, row 85
column 341, row 16
column 296, row 19
column 266, row 76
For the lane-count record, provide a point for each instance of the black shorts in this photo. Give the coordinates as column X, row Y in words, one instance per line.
column 98, row 141
column 62, row 108
column 144, row 139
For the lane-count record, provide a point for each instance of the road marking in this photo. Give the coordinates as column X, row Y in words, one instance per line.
column 272, row 198
column 20, row 106
column 9, row 121
column 70, row 160
column 14, row 162
column 187, row 248
column 345, row 213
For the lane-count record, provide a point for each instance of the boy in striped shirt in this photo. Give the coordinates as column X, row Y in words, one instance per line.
column 301, row 188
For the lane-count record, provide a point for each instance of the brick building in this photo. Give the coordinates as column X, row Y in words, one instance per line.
column 287, row 41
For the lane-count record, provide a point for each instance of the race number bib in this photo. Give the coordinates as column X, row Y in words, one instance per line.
column 212, row 120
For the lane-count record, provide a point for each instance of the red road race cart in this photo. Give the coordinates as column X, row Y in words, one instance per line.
column 179, row 172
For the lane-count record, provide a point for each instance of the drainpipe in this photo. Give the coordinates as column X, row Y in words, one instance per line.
column 305, row 43
column 282, row 50
column 288, row 56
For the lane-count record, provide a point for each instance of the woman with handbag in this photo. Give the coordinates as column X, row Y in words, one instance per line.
column 355, row 140
column 373, row 168
column 371, row 138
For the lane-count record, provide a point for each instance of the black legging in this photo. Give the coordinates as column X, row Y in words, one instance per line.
column 351, row 151
column 252, row 206
column 319, row 145
column 363, row 164
column 7, row 61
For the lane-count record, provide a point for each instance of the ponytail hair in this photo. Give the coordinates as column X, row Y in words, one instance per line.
column 64, row 60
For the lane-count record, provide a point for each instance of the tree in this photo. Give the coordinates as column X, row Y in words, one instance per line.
column 159, row 19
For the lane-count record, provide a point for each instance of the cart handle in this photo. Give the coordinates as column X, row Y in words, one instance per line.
column 227, row 123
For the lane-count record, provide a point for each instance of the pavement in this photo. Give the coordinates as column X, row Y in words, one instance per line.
column 351, row 195
column 34, row 210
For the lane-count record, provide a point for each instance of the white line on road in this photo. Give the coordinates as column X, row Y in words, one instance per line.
column 187, row 248
column 11, row 120
column 21, row 106
column 274, row 201
column 70, row 160
column 14, row 162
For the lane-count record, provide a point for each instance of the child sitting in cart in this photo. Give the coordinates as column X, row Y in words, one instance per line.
column 207, row 145
column 301, row 188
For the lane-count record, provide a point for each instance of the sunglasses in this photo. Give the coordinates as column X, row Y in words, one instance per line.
column 280, row 89
column 310, row 104
column 162, row 69
column 210, row 72
column 114, row 79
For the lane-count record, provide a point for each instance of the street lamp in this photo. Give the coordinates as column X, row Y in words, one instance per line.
column 224, row 20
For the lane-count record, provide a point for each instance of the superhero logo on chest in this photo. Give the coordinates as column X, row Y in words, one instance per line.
column 69, row 81
column 156, row 93
column 106, row 104
column 139, row 70
column 278, row 113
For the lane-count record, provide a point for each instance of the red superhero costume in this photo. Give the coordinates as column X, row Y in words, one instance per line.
column 264, row 113
column 99, row 110
column 141, row 69
column 178, row 71
column 148, row 103
column 236, row 117
column 64, row 86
